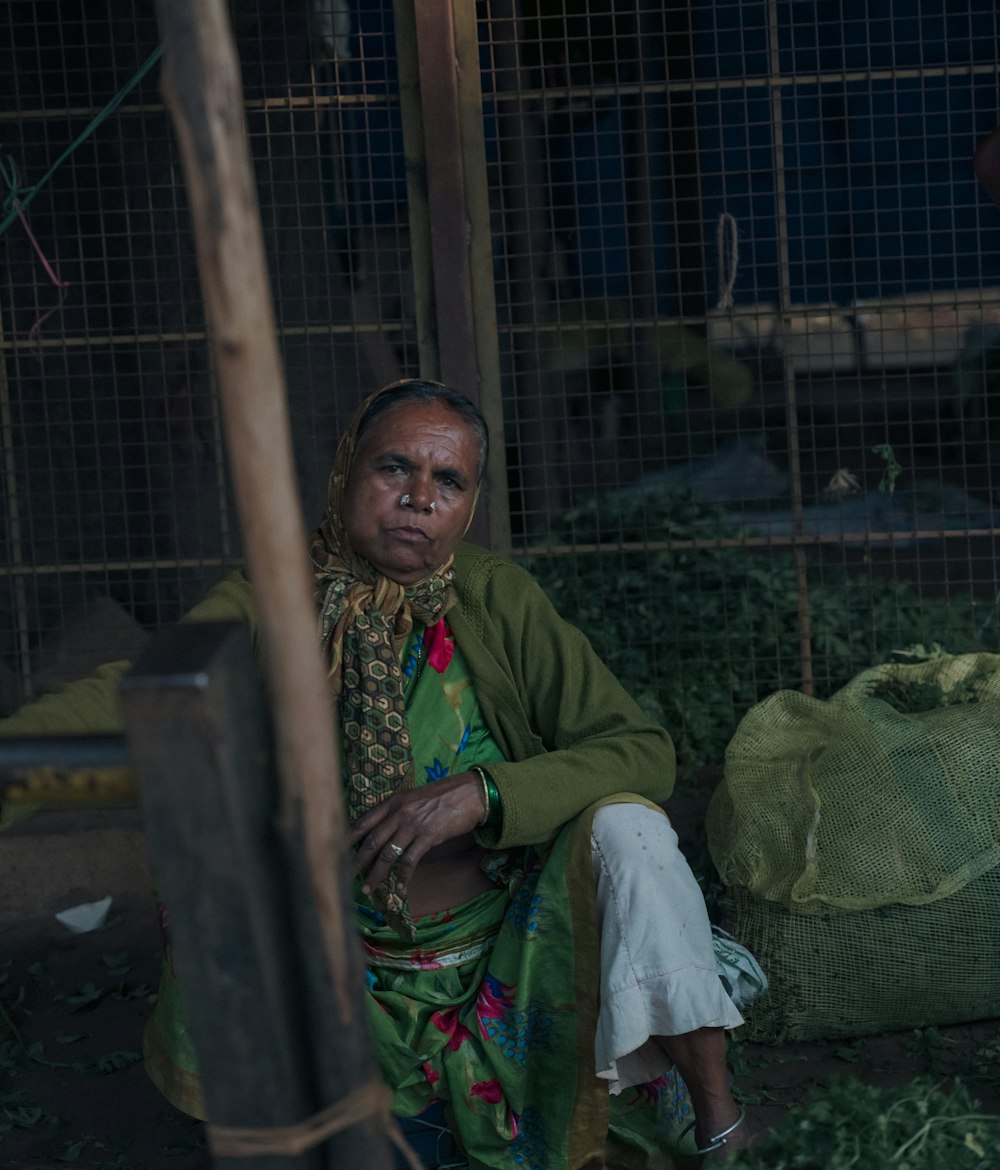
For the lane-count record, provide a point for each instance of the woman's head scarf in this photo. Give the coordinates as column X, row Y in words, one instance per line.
column 365, row 619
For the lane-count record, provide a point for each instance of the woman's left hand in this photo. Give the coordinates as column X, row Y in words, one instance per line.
column 403, row 829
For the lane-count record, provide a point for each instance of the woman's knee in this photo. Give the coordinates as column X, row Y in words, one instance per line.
column 630, row 829
column 635, row 845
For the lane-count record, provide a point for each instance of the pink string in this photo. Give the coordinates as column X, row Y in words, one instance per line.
column 62, row 285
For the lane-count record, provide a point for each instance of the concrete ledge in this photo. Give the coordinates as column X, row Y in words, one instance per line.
column 916, row 331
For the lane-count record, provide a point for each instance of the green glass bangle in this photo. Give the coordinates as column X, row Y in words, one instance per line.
column 492, row 822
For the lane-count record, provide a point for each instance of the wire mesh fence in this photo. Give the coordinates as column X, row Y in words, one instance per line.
column 732, row 293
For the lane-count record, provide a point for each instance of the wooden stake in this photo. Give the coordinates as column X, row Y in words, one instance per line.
column 202, row 88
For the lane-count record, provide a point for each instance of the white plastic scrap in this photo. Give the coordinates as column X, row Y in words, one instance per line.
column 85, row 917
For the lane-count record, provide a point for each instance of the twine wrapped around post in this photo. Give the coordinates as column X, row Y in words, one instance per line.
column 371, row 1099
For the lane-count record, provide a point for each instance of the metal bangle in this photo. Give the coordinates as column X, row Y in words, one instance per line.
column 493, row 821
column 486, row 794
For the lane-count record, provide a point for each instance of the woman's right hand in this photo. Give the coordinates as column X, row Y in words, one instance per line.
column 440, row 816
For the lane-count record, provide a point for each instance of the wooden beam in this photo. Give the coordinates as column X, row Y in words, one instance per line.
column 451, row 240
column 196, row 729
column 263, row 1014
column 203, row 91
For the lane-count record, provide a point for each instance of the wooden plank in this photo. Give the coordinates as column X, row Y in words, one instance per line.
column 195, row 725
column 202, row 87
column 449, row 213
column 247, row 944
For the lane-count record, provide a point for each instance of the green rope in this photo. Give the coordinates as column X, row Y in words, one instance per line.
column 17, row 199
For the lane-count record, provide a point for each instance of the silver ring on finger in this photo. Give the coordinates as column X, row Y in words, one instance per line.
column 396, row 849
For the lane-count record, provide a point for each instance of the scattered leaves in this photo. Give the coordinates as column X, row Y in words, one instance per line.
column 108, row 1063
column 181, row 1148
column 113, row 1061
column 116, row 963
column 39, row 975
column 845, row 1124
column 72, row 1150
column 85, row 998
column 10, row 1057
column 18, row 1110
column 132, row 991
column 62, row 1037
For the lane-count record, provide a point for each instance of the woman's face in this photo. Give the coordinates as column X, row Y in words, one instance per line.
column 425, row 451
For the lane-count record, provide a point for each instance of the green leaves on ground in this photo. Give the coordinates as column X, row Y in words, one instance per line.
column 84, row 998
column 69, row 1037
column 93, row 1145
column 846, row 1124
column 18, row 1110
column 111, row 1062
column 116, row 963
column 181, row 1147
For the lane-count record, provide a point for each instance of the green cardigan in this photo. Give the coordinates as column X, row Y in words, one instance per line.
column 567, row 728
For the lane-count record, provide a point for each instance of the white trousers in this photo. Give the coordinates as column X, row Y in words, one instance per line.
column 658, row 972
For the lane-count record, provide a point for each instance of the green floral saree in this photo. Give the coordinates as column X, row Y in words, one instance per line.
column 492, row 1010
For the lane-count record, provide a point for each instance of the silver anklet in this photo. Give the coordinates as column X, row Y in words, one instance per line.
column 717, row 1141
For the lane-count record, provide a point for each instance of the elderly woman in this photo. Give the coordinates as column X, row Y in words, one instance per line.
column 539, row 956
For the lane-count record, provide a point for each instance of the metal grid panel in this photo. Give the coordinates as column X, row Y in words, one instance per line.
column 737, row 247
column 745, row 259
column 114, row 481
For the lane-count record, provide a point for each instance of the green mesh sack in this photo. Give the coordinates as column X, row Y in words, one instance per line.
column 858, row 838
column 872, row 971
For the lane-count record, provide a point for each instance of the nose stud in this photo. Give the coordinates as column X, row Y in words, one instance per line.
column 404, row 502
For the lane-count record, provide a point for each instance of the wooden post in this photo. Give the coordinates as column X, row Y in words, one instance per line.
column 451, row 243
column 270, row 1049
column 202, row 89
column 196, row 729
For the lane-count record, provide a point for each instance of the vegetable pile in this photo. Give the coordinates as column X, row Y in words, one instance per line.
column 698, row 635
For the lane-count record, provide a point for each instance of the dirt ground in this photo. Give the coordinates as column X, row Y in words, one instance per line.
column 73, row 1092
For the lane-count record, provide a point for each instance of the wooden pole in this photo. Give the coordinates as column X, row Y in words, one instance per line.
column 202, row 88
column 203, row 91
column 451, row 245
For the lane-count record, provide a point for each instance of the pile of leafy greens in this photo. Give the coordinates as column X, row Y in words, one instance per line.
column 699, row 634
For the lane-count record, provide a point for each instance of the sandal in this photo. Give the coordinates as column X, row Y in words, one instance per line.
column 718, row 1140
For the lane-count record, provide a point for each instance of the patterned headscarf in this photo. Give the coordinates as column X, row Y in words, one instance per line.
column 365, row 619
